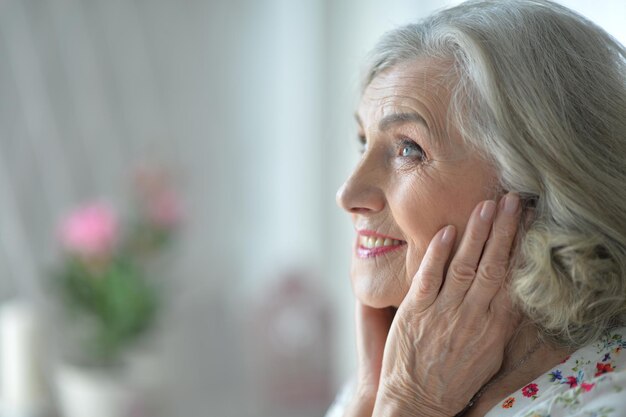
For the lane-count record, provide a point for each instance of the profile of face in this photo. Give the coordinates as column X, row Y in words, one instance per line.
column 416, row 175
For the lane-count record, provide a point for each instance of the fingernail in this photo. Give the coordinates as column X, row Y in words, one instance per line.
column 448, row 234
column 511, row 202
column 489, row 207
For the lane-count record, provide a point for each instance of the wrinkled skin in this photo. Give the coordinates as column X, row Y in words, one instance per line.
column 415, row 181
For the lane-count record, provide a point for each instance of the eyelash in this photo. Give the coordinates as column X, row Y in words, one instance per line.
column 403, row 144
column 408, row 143
column 362, row 143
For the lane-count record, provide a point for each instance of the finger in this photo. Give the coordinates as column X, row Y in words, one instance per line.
column 462, row 269
column 494, row 263
column 427, row 281
column 501, row 308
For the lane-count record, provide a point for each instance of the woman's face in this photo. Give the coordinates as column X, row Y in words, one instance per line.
column 415, row 176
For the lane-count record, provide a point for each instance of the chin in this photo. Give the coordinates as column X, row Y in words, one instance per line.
column 374, row 295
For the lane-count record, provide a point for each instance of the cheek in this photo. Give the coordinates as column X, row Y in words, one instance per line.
column 423, row 206
column 421, row 209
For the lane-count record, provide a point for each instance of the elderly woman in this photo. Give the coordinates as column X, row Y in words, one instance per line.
column 490, row 209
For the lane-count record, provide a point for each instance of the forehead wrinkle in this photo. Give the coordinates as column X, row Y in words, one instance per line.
column 434, row 125
column 424, row 90
column 424, row 80
column 402, row 97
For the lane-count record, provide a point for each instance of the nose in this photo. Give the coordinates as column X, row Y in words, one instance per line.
column 362, row 192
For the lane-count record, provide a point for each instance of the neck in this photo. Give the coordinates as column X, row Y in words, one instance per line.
column 524, row 346
column 526, row 358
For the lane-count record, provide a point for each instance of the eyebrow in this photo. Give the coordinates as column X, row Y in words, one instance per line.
column 396, row 119
column 400, row 118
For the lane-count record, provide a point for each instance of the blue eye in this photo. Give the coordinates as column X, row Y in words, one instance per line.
column 410, row 149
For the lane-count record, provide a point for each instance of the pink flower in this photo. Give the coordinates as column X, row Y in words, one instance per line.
column 159, row 201
column 90, row 232
column 530, row 390
column 164, row 210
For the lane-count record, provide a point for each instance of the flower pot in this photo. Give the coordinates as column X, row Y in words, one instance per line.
column 130, row 391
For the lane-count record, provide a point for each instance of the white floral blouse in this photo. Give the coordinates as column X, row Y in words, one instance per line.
column 589, row 383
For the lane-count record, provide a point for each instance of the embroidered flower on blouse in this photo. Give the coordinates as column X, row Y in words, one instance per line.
column 603, row 368
column 587, row 386
column 555, row 375
column 571, row 381
column 566, row 358
column 508, row 403
column 607, row 357
column 530, row 390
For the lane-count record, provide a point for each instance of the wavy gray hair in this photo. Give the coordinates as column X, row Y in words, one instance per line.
column 541, row 92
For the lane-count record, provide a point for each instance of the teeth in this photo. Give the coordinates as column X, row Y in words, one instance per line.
column 372, row 242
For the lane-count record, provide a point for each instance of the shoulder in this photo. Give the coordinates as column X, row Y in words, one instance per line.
column 603, row 396
column 589, row 383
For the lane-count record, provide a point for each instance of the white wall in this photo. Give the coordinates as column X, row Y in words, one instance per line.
column 251, row 101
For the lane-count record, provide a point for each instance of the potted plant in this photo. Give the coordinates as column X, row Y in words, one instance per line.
column 110, row 299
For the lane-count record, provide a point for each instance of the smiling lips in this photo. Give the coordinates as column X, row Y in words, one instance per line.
column 371, row 244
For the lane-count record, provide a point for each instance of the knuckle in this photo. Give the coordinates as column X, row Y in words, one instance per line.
column 427, row 281
column 493, row 272
column 507, row 231
column 476, row 235
column 462, row 272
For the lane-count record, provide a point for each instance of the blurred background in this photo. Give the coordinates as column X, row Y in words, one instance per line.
column 212, row 134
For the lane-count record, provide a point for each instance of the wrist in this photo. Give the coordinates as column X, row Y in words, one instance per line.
column 361, row 404
column 395, row 401
column 366, row 390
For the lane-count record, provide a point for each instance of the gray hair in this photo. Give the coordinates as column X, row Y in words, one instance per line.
column 540, row 91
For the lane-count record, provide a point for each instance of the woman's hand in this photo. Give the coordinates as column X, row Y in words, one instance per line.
column 448, row 336
column 372, row 328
